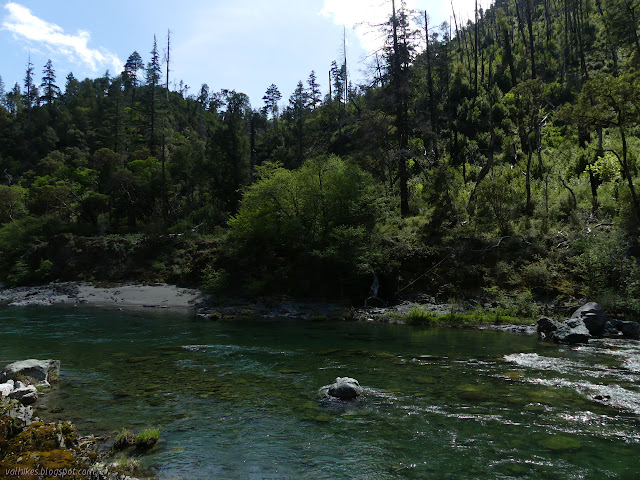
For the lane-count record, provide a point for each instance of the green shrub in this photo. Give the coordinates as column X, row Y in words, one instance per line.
column 214, row 281
column 419, row 314
column 319, row 218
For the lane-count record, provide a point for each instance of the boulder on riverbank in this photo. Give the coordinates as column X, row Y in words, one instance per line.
column 34, row 372
column 344, row 388
column 593, row 316
column 18, row 380
column 588, row 321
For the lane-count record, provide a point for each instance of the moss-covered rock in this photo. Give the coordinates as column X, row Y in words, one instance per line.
column 45, row 448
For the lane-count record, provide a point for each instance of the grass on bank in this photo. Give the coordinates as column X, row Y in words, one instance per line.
column 147, row 438
column 419, row 315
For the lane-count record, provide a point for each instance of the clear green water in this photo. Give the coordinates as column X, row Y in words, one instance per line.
column 439, row 404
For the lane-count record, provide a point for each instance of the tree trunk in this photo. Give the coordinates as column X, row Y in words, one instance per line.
column 532, row 51
column 401, row 118
column 627, row 173
column 432, row 101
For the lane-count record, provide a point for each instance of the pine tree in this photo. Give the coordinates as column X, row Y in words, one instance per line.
column 153, row 79
column 13, row 100
column 271, row 99
column 297, row 106
column 30, row 90
column 130, row 74
column 313, row 93
column 50, row 91
column 2, row 93
column 399, row 58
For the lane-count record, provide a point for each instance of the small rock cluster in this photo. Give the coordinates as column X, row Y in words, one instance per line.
column 589, row 321
column 19, row 380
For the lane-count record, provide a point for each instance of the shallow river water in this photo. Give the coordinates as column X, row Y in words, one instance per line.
column 242, row 402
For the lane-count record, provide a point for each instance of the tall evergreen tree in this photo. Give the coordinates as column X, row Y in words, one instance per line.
column 314, row 90
column 130, row 74
column 50, row 91
column 154, row 72
column 30, row 90
column 271, row 99
column 399, row 58
column 13, row 100
column 2, row 93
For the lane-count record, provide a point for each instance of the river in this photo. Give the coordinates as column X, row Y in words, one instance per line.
column 241, row 400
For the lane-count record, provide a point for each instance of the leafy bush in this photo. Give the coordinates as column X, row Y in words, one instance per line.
column 289, row 220
column 16, row 239
column 214, row 281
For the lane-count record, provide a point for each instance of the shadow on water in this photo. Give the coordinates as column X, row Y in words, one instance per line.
column 241, row 399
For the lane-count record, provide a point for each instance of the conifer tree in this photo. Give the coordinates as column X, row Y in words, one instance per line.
column 50, row 91
column 30, row 90
column 271, row 99
column 313, row 93
column 153, row 79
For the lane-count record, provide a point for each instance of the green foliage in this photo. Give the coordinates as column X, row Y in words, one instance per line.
column 125, row 438
column 532, row 136
column 16, row 239
column 214, row 281
column 498, row 202
column 326, row 209
column 147, row 438
column 604, row 265
column 12, row 203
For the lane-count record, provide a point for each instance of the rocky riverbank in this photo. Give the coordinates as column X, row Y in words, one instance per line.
column 31, row 449
column 121, row 295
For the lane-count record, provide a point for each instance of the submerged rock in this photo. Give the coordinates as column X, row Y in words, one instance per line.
column 37, row 372
column 344, row 388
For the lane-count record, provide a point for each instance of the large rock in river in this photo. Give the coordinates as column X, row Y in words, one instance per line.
column 345, row 388
column 571, row 332
column 593, row 316
column 38, row 372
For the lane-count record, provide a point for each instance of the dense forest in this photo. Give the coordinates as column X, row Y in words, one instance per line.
column 495, row 160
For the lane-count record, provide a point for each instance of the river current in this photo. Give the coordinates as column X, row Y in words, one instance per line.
column 239, row 400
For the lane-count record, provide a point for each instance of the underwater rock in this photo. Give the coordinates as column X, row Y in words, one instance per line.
column 345, row 388
column 593, row 316
column 38, row 372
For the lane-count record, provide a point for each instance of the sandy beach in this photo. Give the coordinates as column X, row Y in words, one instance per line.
column 126, row 295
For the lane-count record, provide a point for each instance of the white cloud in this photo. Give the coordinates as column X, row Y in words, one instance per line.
column 26, row 26
column 360, row 14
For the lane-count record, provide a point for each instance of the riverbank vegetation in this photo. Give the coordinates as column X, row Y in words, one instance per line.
column 496, row 160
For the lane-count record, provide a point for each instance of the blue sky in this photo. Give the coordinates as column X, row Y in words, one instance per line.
column 244, row 45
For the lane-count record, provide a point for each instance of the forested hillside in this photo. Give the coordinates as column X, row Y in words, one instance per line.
column 496, row 160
